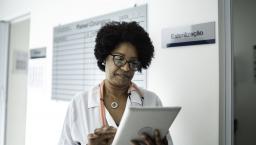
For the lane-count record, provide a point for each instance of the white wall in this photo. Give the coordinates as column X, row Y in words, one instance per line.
column 184, row 76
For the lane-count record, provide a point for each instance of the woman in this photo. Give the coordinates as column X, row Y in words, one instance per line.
column 121, row 49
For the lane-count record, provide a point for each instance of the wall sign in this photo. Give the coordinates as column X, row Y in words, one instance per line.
column 38, row 53
column 197, row 34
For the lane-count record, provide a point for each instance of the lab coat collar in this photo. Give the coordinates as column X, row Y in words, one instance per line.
column 135, row 95
column 94, row 97
column 135, row 99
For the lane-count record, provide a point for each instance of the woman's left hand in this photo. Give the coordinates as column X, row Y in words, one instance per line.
column 146, row 139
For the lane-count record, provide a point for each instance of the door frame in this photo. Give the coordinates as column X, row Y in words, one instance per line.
column 4, row 84
column 226, row 107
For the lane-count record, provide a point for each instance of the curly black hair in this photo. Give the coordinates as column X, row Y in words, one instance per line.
column 114, row 33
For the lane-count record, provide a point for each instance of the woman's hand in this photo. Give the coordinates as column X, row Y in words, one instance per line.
column 102, row 136
column 146, row 139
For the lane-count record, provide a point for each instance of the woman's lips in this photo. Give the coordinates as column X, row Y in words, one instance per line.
column 123, row 76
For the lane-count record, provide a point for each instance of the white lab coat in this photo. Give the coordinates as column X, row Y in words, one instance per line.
column 83, row 115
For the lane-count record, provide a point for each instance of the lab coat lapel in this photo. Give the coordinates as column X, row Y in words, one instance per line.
column 134, row 99
column 109, row 118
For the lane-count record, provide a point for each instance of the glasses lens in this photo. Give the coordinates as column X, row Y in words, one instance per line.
column 134, row 65
column 119, row 60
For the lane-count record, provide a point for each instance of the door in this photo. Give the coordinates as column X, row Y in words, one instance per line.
column 244, row 56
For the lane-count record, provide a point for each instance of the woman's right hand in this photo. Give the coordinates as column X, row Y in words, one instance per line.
column 102, row 136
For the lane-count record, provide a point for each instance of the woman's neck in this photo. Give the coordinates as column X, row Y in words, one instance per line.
column 116, row 91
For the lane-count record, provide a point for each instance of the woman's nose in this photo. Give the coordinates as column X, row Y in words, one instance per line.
column 125, row 67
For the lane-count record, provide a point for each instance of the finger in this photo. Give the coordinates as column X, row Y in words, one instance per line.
column 137, row 142
column 110, row 141
column 103, row 140
column 132, row 142
column 157, row 137
column 102, row 129
column 98, row 131
column 111, row 129
column 92, row 136
column 106, row 133
column 107, row 136
column 105, row 130
column 165, row 141
column 147, row 139
column 102, row 137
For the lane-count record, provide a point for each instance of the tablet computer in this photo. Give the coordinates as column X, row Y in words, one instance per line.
column 136, row 120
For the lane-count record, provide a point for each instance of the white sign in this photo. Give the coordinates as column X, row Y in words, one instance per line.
column 203, row 33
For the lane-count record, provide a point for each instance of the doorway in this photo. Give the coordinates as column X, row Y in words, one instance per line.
column 237, row 47
column 244, row 68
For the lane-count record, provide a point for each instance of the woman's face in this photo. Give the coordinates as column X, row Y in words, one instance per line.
column 121, row 76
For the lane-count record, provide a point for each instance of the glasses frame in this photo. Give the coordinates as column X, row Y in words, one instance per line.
column 130, row 63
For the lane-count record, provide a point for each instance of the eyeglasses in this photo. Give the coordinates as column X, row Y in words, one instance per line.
column 120, row 60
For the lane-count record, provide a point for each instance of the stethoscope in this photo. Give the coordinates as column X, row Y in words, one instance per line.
column 133, row 87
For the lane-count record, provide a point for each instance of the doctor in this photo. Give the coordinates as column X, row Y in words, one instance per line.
column 93, row 117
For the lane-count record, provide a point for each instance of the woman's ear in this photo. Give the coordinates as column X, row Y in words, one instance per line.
column 103, row 63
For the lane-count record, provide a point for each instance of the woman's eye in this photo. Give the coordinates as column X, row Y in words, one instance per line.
column 135, row 62
column 119, row 58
